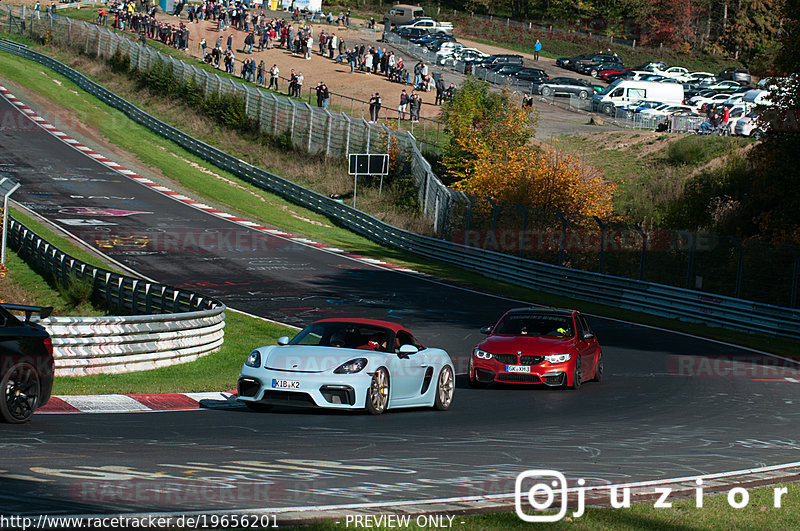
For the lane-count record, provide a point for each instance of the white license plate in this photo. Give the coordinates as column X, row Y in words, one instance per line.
column 285, row 384
column 518, row 368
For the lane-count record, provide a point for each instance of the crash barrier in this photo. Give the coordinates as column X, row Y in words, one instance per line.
column 162, row 326
column 313, row 129
column 646, row 297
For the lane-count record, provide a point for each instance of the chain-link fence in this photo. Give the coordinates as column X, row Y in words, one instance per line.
column 314, row 129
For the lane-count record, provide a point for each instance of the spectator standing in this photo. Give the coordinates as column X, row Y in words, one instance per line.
column 249, row 41
column 326, row 95
column 292, row 82
column 439, row 91
column 536, row 49
column 418, row 74
column 368, row 63
column 230, row 42
column 262, row 70
column 415, row 102
column 374, row 107
column 298, row 87
column 274, row 74
column 320, row 96
column 37, row 11
column 403, row 107
column 309, row 47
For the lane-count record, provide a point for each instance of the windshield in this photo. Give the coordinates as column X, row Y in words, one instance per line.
column 343, row 334
column 535, row 324
column 611, row 87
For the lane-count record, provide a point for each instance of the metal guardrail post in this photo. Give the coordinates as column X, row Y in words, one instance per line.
column 795, row 271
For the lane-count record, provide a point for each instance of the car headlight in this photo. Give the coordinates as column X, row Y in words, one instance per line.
column 352, row 366
column 558, row 358
column 482, row 354
column 254, row 359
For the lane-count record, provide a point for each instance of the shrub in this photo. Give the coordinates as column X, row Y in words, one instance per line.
column 76, row 291
column 120, row 63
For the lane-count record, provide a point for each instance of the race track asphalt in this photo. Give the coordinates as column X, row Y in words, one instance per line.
column 671, row 405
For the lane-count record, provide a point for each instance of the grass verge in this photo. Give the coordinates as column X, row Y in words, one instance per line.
column 716, row 513
column 219, row 187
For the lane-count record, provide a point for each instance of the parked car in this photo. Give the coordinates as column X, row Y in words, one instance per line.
column 401, row 14
column 348, row 364
column 622, row 92
column 430, row 25
column 699, row 101
column 740, row 75
column 530, row 75
column 721, row 86
column 662, row 111
column 26, row 354
column 411, row 33
column 508, row 59
column 638, row 107
column 537, row 346
column 610, row 74
column 594, row 59
column 505, row 70
column 568, row 62
column 594, row 68
column 564, row 86
column 675, row 72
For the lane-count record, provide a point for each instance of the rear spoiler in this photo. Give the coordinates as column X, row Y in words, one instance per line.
column 43, row 311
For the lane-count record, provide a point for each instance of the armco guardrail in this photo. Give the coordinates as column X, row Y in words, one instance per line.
column 683, row 304
column 180, row 326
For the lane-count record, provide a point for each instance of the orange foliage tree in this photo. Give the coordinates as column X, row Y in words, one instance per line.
column 491, row 155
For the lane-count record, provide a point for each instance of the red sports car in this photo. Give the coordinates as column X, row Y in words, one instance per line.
column 537, row 346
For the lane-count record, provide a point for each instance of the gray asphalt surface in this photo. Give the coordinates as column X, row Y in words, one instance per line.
column 671, row 405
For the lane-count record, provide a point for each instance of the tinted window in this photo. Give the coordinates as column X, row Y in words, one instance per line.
column 341, row 334
column 535, row 324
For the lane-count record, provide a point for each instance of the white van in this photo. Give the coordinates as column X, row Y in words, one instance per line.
column 623, row 92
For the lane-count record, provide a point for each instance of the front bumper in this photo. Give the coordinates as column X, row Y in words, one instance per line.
column 550, row 374
column 324, row 390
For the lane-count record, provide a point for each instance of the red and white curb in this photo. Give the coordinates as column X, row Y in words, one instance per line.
column 139, row 402
column 89, row 152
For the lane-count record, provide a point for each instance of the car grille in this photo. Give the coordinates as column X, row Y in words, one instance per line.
column 288, row 397
column 518, row 378
column 509, row 359
column 513, row 359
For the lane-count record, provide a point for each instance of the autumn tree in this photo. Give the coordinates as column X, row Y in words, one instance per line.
column 492, row 155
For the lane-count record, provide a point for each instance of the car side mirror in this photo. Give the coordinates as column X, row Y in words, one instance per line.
column 486, row 330
column 283, row 340
column 406, row 350
column 588, row 335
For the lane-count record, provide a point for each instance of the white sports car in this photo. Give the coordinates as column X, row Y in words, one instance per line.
column 348, row 364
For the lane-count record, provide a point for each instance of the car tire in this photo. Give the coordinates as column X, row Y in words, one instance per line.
column 21, row 388
column 258, row 406
column 598, row 369
column 608, row 109
column 378, row 392
column 583, row 94
column 577, row 376
column 629, row 115
column 473, row 382
column 547, row 91
column 593, row 73
column 445, row 389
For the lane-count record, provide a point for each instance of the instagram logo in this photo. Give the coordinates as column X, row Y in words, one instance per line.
column 539, row 490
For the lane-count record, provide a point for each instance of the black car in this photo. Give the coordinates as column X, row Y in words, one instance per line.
column 594, row 60
column 529, row 76
column 592, row 69
column 506, row 59
column 564, row 86
column 506, row 69
column 567, row 62
column 26, row 352
column 411, row 33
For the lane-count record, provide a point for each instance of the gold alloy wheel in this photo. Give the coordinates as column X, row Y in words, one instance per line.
column 445, row 389
column 378, row 394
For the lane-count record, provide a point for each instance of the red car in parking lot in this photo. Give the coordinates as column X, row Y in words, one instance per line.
column 537, row 346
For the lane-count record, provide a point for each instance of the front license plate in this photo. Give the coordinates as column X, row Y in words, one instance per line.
column 518, row 368
column 285, row 384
